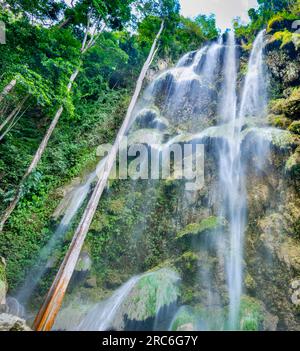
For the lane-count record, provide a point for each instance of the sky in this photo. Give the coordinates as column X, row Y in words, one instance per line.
column 225, row 10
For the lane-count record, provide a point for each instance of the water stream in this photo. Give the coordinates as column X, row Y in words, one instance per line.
column 181, row 95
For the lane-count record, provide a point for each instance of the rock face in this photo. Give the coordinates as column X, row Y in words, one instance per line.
column 284, row 65
column 9, row 322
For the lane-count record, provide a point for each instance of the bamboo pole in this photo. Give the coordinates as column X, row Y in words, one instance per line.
column 50, row 308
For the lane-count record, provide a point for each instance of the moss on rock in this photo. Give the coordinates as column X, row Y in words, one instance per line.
column 251, row 314
column 207, row 224
column 279, row 121
column 295, row 127
column 153, row 291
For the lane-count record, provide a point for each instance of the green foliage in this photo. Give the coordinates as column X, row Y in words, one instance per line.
column 284, row 37
column 179, row 36
column 71, row 150
column 207, row 224
column 251, row 314
column 270, row 14
column 152, row 292
column 295, row 127
column 207, row 25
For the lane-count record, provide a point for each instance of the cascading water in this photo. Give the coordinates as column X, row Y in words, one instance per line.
column 101, row 316
column 76, row 200
column 232, row 177
column 189, row 97
column 254, row 96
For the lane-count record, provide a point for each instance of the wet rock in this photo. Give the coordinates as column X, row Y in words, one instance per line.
column 84, row 262
column 293, row 164
column 91, row 282
column 291, row 107
column 284, row 66
column 10, row 322
column 295, row 127
column 82, row 269
column 160, row 124
column 14, row 307
column 186, row 327
column 146, row 117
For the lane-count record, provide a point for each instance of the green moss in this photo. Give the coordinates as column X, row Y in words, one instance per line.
column 153, row 291
column 279, row 121
column 251, row 314
column 292, row 106
column 289, row 107
column 283, row 139
column 274, row 20
column 250, row 282
column 295, row 127
column 207, row 224
column 247, row 46
column 277, row 106
column 184, row 318
column 117, row 206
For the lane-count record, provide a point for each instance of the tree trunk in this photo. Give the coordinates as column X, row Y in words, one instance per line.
column 48, row 312
column 9, row 87
column 85, row 45
column 13, row 113
column 36, row 157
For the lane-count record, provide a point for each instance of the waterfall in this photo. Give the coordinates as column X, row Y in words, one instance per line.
column 232, row 176
column 254, row 98
column 200, row 94
column 76, row 200
column 101, row 316
column 227, row 108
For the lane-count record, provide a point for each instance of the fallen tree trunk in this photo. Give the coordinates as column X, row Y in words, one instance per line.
column 7, row 89
column 48, row 312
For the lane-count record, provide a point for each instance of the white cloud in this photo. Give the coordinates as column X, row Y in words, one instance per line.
column 225, row 10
